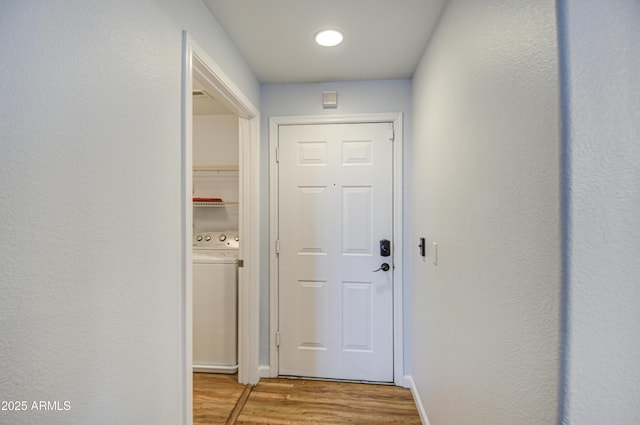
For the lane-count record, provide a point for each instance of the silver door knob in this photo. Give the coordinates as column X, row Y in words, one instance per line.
column 384, row 267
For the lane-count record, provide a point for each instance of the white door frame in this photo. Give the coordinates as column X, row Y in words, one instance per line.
column 197, row 62
column 398, row 328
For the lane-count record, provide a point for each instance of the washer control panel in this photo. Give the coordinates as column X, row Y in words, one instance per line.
column 217, row 240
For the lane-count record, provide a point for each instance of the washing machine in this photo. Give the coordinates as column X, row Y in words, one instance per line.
column 215, row 302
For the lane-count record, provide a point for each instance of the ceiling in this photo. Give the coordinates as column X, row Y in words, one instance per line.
column 383, row 39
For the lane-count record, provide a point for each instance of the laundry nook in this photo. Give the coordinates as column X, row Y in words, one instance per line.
column 216, row 240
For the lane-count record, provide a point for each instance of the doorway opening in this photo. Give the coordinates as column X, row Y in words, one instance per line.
column 202, row 72
column 215, row 230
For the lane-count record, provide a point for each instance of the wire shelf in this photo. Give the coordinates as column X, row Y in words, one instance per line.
column 214, row 204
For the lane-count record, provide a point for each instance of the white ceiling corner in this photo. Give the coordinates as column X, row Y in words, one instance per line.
column 383, row 39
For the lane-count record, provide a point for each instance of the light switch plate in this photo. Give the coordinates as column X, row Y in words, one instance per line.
column 434, row 253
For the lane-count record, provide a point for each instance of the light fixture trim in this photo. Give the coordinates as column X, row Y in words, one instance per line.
column 328, row 37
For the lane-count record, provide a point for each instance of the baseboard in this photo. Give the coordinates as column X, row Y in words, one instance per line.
column 264, row 371
column 228, row 370
column 417, row 400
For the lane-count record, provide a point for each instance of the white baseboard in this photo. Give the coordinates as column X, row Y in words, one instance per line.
column 204, row 368
column 417, row 400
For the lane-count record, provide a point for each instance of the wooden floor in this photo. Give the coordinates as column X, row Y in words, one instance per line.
column 214, row 397
column 219, row 399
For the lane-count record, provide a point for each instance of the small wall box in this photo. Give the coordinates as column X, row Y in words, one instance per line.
column 330, row 99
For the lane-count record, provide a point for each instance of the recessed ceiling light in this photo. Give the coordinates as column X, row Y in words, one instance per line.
column 328, row 38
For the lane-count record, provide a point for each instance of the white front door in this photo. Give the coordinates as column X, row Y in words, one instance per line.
column 335, row 207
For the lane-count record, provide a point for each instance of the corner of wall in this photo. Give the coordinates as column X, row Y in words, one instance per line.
column 417, row 399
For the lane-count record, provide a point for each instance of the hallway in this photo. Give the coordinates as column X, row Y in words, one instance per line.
column 521, row 173
column 219, row 399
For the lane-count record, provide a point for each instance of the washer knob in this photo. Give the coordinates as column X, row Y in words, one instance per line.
column 222, row 237
column 207, row 238
column 199, row 238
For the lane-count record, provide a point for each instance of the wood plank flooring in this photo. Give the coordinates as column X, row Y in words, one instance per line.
column 299, row 401
column 214, row 397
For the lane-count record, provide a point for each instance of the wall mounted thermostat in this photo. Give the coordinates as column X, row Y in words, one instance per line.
column 330, row 99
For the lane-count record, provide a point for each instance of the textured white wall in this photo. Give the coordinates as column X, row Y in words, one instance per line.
column 215, row 140
column 90, row 165
column 354, row 97
column 485, row 186
column 602, row 53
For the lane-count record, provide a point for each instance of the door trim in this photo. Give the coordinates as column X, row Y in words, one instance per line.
column 196, row 61
column 398, row 323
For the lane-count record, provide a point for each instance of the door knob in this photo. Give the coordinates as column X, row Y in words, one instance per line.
column 384, row 267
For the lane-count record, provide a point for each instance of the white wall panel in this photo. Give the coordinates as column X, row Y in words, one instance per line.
column 485, row 186
column 90, row 169
column 601, row 62
column 215, row 140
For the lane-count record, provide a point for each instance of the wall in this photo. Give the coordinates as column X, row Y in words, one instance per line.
column 90, row 164
column 485, row 187
column 354, row 97
column 216, row 143
column 215, row 140
column 601, row 55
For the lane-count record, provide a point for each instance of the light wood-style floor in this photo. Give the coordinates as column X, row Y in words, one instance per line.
column 214, row 397
column 219, row 399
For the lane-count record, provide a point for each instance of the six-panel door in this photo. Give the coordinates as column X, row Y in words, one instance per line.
column 335, row 205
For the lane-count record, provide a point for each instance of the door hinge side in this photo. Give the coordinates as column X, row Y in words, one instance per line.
column 393, row 133
column 240, row 263
column 277, row 338
column 278, row 246
column 277, row 155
